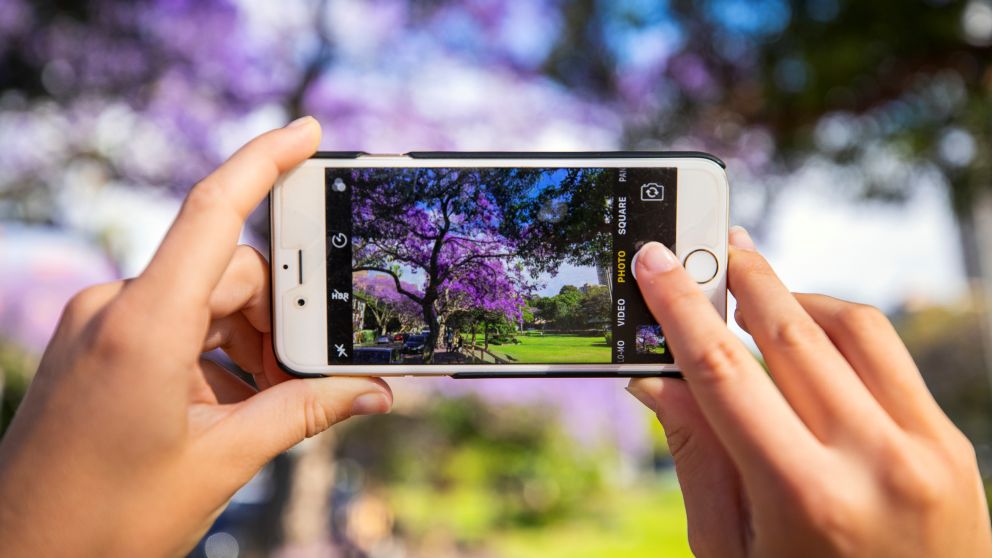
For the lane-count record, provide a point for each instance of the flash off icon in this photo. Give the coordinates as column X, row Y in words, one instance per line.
column 652, row 191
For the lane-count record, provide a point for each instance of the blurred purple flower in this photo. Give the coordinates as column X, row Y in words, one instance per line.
column 43, row 269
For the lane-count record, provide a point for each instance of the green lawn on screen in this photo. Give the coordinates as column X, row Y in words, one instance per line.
column 536, row 349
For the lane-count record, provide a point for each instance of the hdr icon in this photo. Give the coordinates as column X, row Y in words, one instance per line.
column 338, row 295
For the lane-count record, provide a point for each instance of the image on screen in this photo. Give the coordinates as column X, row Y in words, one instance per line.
column 493, row 265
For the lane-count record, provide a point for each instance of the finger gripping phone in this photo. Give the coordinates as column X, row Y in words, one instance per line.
column 486, row 264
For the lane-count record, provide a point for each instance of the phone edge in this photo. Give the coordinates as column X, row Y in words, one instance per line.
column 494, row 155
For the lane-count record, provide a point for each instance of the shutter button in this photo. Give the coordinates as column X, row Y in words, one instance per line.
column 701, row 265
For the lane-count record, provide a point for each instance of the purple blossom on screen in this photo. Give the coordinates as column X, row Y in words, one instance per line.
column 649, row 339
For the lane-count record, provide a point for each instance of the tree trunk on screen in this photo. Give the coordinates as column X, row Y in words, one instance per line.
column 431, row 318
column 474, row 349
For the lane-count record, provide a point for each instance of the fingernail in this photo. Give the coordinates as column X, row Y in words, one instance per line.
column 635, row 389
column 370, row 404
column 302, row 121
column 654, row 257
column 740, row 239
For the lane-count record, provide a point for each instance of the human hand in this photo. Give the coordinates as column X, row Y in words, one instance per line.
column 128, row 443
column 839, row 450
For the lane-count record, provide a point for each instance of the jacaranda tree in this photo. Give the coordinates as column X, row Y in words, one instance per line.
column 443, row 227
column 380, row 296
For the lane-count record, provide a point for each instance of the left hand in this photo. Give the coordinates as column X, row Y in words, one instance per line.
column 128, row 443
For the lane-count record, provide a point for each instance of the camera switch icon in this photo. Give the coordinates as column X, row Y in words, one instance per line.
column 652, row 191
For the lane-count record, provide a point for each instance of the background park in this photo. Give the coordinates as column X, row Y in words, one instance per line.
column 856, row 134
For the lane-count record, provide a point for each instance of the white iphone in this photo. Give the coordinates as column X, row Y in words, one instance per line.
column 486, row 264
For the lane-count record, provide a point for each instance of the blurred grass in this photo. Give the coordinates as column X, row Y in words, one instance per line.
column 647, row 519
column 632, row 522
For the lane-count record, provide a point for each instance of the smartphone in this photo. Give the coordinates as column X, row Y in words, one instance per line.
column 486, row 264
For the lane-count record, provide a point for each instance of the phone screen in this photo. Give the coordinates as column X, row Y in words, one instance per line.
column 493, row 265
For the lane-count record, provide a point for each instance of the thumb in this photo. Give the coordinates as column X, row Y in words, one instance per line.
column 274, row 420
column 709, row 481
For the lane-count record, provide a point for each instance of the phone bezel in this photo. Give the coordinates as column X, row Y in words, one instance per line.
column 714, row 231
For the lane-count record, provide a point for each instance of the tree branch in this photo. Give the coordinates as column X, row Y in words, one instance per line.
column 396, row 279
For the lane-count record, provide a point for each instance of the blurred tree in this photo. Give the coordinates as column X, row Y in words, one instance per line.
column 893, row 93
column 386, row 306
column 946, row 345
column 573, row 307
column 464, row 470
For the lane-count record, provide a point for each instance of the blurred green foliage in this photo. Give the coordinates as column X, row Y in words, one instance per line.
column 17, row 366
column 366, row 336
column 573, row 308
column 508, row 479
column 645, row 520
column 946, row 344
column 475, row 467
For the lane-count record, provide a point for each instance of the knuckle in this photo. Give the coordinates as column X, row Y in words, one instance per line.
column 109, row 338
column 318, row 417
column 861, row 318
column 796, row 334
column 749, row 264
column 910, row 475
column 203, row 198
column 715, row 362
column 82, row 305
column 248, row 264
column 248, row 255
column 960, row 451
column 86, row 304
column 832, row 517
column 678, row 439
column 118, row 330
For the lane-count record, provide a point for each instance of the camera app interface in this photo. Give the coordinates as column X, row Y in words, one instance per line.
column 493, row 265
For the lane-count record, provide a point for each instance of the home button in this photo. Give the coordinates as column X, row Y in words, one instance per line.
column 702, row 265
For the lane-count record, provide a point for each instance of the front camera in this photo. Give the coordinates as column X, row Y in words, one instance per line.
column 301, row 302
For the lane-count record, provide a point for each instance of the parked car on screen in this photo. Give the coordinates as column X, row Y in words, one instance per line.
column 401, row 337
column 414, row 344
column 383, row 340
column 377, row 355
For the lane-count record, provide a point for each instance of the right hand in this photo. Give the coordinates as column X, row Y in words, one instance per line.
column 838, row 450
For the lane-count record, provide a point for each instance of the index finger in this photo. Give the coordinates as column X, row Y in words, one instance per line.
column 746, row 411
column 202, row 239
